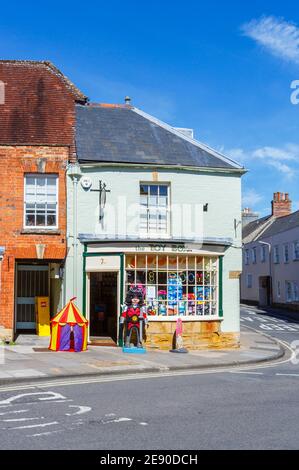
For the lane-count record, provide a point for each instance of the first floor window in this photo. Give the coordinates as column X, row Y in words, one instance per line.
column 249, row 281
column 175, row 284
column 263, row 253
column 286, row 253
column 296, row 250
column 154, row 209
column 276, row 254
column 41, row 201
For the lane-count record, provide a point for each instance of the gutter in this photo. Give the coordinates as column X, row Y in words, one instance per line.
column 215, row 241
column 92, row 164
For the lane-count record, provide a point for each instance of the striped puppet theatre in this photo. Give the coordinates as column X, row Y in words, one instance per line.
column 69, row 330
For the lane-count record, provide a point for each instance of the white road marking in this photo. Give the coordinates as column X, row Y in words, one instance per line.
column 10, row 412
column 43, row 433
column 54, row 396
column 82, row 409
column 245, row 372
column 143, row 424
column 120, row 420
column 35, row 425
column 290, row 375
column 20, row 419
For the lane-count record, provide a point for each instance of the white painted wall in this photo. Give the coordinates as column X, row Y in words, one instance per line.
column 222, row 192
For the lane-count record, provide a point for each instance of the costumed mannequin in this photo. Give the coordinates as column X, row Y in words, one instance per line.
column 133, row 316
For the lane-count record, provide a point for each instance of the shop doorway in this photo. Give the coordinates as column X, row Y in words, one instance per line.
column 103, row 305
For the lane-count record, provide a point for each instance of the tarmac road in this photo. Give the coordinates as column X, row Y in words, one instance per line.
column 249, row 408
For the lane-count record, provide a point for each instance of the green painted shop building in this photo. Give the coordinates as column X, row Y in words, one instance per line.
column 150, row 206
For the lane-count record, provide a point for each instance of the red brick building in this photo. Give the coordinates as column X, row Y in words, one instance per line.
column 37, row 119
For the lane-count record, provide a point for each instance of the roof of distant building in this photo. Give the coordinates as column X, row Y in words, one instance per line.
column 125, row 134
column 268, row 226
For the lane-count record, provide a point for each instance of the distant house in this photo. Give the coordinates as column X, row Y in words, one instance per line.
column 271, row 256
column 150, row 206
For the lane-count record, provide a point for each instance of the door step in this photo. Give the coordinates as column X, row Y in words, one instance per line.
column 102, row 341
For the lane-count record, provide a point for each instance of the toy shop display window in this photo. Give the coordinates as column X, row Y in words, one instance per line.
column 175, row 284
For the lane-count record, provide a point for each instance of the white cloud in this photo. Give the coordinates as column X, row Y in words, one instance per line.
column 289, row 152
column 251, row 197
column 283, row 168
column 277, row 35
column 276, row 157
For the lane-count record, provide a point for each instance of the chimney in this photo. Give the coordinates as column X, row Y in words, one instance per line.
column 127, row 101
column 186, row 131
column 281, row 205
column 248, row 216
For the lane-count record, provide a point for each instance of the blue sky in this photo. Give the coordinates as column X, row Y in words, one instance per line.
column 223, row 68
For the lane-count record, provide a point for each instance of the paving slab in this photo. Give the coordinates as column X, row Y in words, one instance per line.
column 34, row 361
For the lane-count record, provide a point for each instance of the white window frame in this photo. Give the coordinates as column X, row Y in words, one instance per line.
column 286, row 253
column 42, row 227
column 249, row 281
column 149, row 232
column 246, row 255
column 263, row 254
column 276, row 254
column 296, row 252
column 204, row 308
column 254, row 255
column 292, row 291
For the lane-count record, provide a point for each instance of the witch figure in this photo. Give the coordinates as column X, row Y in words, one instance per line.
column 133, row 317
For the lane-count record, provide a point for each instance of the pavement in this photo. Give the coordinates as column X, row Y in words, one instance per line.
column 29, row 359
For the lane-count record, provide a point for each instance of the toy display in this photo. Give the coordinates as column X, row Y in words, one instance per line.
column 133, row 317
column 175, row 289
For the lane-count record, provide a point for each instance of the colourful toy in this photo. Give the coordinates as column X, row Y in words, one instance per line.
column 133, row 317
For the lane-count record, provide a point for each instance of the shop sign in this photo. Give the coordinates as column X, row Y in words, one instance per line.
column 163, row 248
column 234, row 274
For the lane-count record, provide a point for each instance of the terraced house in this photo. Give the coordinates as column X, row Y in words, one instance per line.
column 36, row 144
column 271, row 256
column 150, row 206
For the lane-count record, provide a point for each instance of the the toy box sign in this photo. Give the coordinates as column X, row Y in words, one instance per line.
column 163, row 248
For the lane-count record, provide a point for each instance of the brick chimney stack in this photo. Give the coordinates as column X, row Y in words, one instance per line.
column 281, row 205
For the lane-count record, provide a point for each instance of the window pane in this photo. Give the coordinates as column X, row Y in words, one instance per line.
column 30, row 220
column 143, row 189
column 163, row 190
column 51, row 220
column 153, row 190
column 40, row 219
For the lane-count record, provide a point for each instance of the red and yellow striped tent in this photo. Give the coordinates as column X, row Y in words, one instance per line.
column 69, row 330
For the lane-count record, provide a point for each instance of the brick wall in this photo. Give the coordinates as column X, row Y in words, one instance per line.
column 15, row 161
column 37, row 120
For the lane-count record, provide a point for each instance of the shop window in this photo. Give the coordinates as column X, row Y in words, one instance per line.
column 175, row 284
column 154, row 208
column 41, row 201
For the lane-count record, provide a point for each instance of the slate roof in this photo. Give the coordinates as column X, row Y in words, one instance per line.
column 254, row 228
column 124, row 134
column 269, row 226
column 282, row 224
